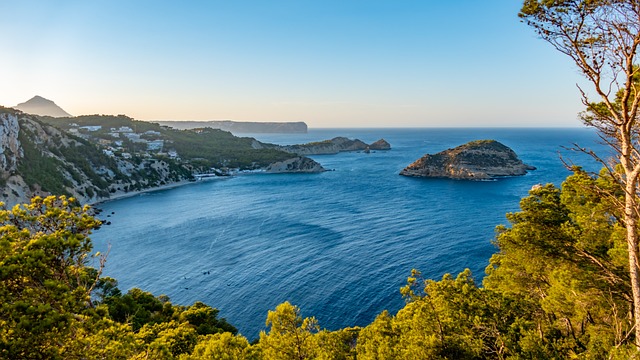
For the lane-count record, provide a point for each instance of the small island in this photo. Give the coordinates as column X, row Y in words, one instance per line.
column 333, row 146
column 475, row 160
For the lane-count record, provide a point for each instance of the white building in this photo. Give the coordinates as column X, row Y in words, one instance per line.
column 91, row 128
column 132, row 136
column 155, row 145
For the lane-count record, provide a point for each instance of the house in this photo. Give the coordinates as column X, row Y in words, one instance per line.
column 132, row 136
column 91, row 127
column 155, row 145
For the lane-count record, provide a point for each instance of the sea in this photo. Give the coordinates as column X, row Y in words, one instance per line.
column 338, row 244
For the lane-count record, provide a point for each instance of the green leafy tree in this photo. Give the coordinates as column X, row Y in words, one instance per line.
column 45, row 285
column 564, row 256
column 601, row 37
column 290, row 336
column 447, row 319
column 222, row 346
column 167, row 340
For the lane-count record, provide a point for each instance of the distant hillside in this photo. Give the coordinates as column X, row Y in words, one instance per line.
column 241, row 127
column 39, row 159
column 333, row 146
column 97, row 157
column 41, row 106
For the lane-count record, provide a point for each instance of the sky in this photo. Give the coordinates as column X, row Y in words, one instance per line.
column 329, row 63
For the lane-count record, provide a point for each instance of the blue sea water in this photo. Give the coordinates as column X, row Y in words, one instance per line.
column 339, row 244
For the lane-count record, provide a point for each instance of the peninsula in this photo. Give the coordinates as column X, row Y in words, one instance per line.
column 241, row 127
column 476, row 160
column 330, row 147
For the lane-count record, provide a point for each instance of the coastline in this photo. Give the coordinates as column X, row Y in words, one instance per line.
column 123, row 195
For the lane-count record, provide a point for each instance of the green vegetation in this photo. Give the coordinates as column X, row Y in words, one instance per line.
column 602, row 39
column 38, row 169
column 221, row 149
column 557, row 288
column 565, row 282
column 203, row 147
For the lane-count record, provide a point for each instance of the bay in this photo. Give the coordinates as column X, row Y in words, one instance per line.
column 339, row 244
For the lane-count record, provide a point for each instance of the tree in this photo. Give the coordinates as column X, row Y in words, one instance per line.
column 564, row 256
column 602, row 37
column 45, row 285
column 290, row 336
column 224, row 346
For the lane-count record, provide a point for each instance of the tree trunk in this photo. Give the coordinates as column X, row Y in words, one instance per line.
column 631, row 223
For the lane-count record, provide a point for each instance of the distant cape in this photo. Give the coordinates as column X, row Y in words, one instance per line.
column 38, row 105
column 241, row 126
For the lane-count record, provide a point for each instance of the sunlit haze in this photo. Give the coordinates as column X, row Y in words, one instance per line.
column 330, row 63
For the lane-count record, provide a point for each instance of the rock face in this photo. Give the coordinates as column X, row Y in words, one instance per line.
column 334, row 146
column 240, row 127
column 41, row 106
column 298, row 164
column 476, row 160
column 10, row 149
column 39, row 159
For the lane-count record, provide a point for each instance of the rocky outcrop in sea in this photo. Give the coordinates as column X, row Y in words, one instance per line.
column 381, row 144
column 298, row 164
column 334, row 146
column 476, row 160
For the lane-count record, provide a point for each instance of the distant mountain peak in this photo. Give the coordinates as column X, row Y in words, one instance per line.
column 40, row 106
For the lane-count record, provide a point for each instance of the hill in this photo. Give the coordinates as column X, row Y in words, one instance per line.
column 97, row 157
column 38, row 105
column 241, row 127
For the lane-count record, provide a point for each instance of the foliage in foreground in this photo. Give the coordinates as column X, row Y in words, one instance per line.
column 557, row 288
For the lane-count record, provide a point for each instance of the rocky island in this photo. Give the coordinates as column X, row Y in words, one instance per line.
column 476, row 160
column 330, row 147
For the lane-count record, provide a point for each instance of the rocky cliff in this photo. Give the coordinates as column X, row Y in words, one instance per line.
column 334, row 146
column 10, row 149
column 37, row 158
column 476, row 160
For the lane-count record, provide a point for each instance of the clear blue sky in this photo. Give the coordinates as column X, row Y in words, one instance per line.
column 330, row 63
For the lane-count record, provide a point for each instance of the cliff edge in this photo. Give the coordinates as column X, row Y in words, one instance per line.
column 476, row 160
